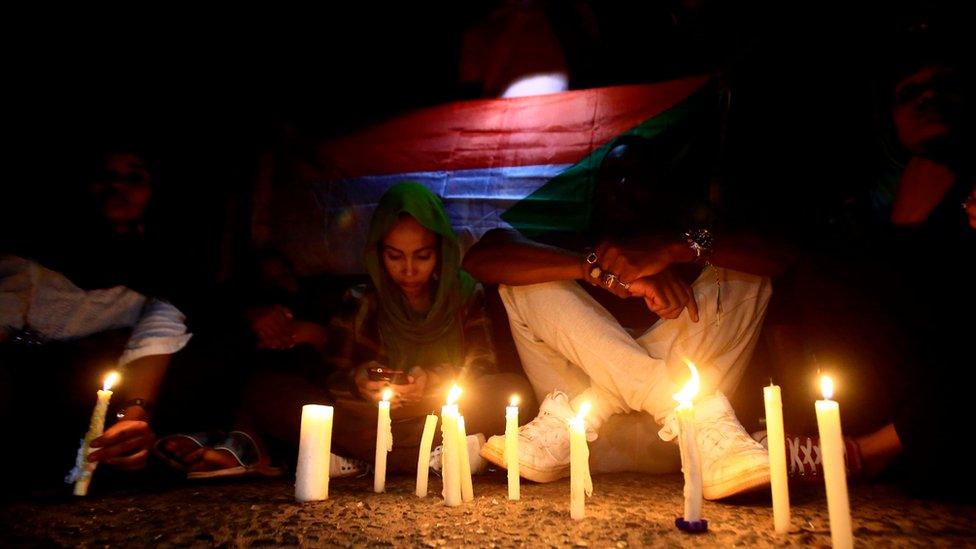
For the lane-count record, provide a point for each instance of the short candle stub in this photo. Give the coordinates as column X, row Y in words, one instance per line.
column 693, row 527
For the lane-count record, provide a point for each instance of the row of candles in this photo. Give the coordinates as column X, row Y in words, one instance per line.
column 312, row 474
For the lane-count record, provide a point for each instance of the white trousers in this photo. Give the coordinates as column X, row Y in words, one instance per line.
column 569, row 342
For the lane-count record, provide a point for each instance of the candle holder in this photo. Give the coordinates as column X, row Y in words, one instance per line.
column 693, row 527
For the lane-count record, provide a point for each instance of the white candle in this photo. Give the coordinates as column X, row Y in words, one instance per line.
column 96, row 426
column 464, row 461
column 832, row 455
column 511, row 448
column 777, row 458
column 314, row 450
column 580, row 483
column 450, row 465
column 688, row 445
column 384, row 442
column 423, row 460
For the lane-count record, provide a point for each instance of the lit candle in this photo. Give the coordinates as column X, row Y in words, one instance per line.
column 832, row 455
column 450, row 464
column 464, row 461
column 423, row 460
column 690, row 456
column 384, row 441
column 84, row 469
column 580, row 483
column 511, row 447
column 314, row 449
column 777, row 458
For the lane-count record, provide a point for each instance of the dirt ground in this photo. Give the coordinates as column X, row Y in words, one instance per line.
column 626, row 510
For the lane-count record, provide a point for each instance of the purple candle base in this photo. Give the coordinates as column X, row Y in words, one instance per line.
column 694, row 527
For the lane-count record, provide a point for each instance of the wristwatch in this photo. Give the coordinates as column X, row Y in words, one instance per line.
column 702, row 242
column 140, row 402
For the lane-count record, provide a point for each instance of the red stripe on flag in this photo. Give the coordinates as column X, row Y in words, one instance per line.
column 547, row 129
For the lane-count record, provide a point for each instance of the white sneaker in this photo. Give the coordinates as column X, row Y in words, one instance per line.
column 478, row 465
column 342, row 467
column 732, row 462
column 543, row 442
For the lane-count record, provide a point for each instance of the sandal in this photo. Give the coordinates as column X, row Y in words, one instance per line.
column 245, row 450
column 201, row 440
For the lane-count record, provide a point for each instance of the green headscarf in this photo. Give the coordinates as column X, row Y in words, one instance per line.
column 412, row 338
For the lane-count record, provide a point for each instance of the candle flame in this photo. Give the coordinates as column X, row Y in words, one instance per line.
column 387, row 394
column 110, row 380
column 826, row 387
column 514, row 401
column 453, row 395
column 690, row 390
column 583, row 410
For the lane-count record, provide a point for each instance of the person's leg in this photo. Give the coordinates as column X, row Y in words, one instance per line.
column 558, row 326
column 568, row 342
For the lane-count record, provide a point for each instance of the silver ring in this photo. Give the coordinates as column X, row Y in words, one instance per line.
column 609, row 279
column 592, row 258
column 623, row 284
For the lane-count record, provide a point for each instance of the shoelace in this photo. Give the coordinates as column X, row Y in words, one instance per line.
column 718, row 434
column 811, row 456
column 545, row 426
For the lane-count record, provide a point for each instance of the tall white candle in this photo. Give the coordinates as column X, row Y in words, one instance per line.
column 776, row 440
column 423, row 460
column 384, row 442
column 580, row 483
column 314, row 450
column 688, row 445
column 511, row 448
column 84, row 469
column 832, row 455
column 450, row 465
column 467, row 486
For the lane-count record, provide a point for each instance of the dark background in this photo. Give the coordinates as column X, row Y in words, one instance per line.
column 211, row 91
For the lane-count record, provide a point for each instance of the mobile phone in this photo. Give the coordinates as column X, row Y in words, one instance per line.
column 396, row 377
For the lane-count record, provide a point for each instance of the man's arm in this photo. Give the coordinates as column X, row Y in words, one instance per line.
column 648, row 256
column 503, row 256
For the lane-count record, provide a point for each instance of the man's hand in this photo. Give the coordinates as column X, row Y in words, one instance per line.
column 601, row 280
column 273, row 327
column 637, row 258
column 124, row 445
column 666, row 295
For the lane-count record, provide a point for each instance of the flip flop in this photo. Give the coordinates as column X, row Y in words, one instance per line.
column 245, row 451
column 201, row 440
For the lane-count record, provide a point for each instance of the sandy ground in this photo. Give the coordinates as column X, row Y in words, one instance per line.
column 626, row 510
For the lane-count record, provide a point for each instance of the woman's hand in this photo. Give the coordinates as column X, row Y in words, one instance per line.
column 413, row 391
column 666, row 295
column 371, row 391
column 124, row 445
column 273, row 327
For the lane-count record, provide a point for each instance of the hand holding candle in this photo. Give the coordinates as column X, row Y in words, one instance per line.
column 690, row 456
column 82, row 473
column 384, row 441
column 580, row 483
column 511, row 448
column 835, row 477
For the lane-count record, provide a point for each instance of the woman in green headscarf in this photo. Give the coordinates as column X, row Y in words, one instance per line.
column 419, row 315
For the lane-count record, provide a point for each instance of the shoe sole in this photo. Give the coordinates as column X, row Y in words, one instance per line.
column 746, row 482
column 528, row 472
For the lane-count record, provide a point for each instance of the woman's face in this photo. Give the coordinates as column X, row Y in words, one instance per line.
column 122, row 189
column 410, row 256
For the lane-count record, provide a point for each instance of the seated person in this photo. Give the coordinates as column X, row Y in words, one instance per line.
column 62, row 330
column 924, row 243
column 420, row 314
column 575, row 349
